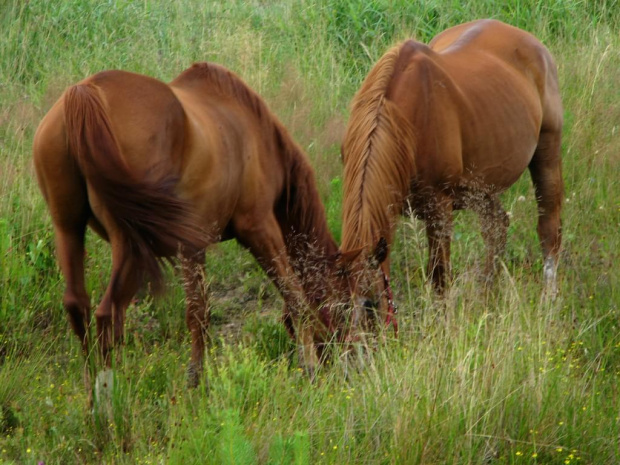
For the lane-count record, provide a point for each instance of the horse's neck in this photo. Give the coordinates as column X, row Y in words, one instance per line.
column 303, row 221
column 309, row 247
column 310, row 252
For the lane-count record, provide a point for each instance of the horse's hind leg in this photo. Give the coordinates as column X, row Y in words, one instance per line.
column 63, row 187
column 110, row 314
column 494, row 226
column 70, row 252
column 65, row 194
column 546, row 171
column 67, row 204
column 197, row 312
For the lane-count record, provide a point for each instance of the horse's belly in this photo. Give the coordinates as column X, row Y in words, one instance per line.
column 498, row 151
column 498, row 170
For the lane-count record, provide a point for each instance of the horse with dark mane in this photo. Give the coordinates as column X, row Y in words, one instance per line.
column 449, row 126
column 164, row 170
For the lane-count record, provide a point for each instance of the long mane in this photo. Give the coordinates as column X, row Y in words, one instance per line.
column 300, row 211
column 378, row 156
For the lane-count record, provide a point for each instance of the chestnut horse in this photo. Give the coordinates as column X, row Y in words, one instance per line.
column 445, row 127
column 159, row 170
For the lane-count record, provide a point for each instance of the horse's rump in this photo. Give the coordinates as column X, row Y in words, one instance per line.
column 152, row 219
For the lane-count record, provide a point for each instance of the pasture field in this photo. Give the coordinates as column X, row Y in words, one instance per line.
column 499, row 377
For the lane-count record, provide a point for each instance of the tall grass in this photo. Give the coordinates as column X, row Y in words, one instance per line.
column 495, row 377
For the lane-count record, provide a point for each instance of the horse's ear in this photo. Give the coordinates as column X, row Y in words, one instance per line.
column 380, row 253
column 345, row 259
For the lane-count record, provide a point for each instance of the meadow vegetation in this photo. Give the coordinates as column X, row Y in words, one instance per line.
column 497, row 377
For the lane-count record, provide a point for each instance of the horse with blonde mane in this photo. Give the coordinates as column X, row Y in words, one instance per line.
column 449, row 126
column 165, row 170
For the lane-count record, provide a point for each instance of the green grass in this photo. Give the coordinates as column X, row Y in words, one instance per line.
column 498, row 377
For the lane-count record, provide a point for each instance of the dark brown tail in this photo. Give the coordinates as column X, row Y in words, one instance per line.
column 153, row 220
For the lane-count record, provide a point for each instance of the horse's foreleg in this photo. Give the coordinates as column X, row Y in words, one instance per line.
column 494, row 225
column 546, row 171
column 264, row 239
column 288, row 321
column 197, row 312
column 438, row 219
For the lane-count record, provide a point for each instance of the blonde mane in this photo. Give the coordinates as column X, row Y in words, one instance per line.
column 378, row 156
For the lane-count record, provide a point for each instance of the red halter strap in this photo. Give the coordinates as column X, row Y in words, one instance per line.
column 392, row 308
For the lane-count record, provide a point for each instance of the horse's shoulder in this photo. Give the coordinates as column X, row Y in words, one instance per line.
column 213, row 79
column 195, row 73
column 215, row 76
column 415, row 61
column 412, row 51
column 411, row 47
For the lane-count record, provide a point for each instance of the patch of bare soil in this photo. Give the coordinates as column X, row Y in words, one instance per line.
column 232, row 308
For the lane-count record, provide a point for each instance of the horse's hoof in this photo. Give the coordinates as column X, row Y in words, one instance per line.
column 311, row 373
column 193, row 377
column 193, row 380
column 550, row 294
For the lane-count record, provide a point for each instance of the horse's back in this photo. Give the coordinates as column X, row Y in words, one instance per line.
column 503, row 50
column 490, row 38
column 488, row 89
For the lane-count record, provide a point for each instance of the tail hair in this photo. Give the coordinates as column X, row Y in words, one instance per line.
column 153, row 220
